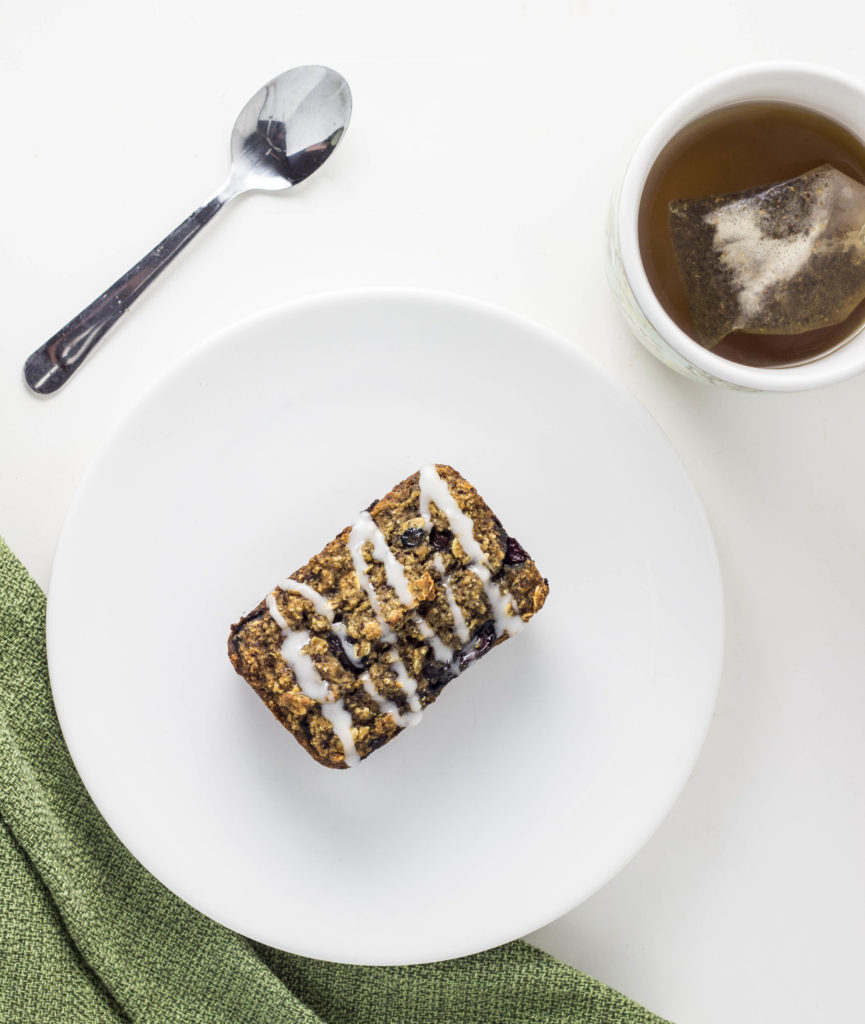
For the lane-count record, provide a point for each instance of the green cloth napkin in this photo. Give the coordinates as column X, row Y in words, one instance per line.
column 87, row 935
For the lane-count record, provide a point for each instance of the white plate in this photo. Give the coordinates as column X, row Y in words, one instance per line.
column 536, row 776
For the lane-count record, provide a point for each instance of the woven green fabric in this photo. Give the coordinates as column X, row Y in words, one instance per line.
column 87, row 935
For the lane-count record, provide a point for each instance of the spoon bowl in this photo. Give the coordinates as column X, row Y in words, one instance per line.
column 286, row 131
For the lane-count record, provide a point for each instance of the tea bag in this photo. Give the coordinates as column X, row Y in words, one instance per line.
column 779, row 259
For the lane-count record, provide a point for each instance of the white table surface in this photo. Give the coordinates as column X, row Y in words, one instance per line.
column 483, row 147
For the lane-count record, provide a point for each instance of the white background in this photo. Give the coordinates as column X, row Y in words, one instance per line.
column 484, row 146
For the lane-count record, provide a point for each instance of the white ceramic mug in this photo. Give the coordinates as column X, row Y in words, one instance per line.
column 828, row 92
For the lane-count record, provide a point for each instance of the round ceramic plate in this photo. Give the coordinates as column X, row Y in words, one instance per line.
column 534, row 778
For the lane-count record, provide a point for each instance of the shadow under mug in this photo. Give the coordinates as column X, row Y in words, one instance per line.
column 823, row 90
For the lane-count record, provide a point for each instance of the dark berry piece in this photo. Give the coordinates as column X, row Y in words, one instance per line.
column 514, row 553
column 441, row 540
column 372, row 505
column 334, row 645
column 437, row 674
column 412, row 537
column 483, row 641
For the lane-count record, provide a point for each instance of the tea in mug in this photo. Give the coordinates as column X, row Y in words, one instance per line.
column 752, row 233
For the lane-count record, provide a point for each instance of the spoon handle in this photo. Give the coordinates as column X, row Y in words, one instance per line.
column 51, row 365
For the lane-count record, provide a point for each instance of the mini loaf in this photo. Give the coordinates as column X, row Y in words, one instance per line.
column 352, row 648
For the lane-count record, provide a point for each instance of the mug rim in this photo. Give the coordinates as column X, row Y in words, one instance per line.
column 707, row 95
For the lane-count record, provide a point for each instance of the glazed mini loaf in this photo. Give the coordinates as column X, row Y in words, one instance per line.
column 352, row 648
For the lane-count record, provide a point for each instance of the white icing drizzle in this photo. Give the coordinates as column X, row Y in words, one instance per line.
column 347, row 645
column 324, row 608
column 307, row 675
column 504, row 607
column 460, row 628
column 385, row 705
column 441, row 650
column 340, row 718
column 321, row 604
column 388, row 707
column 305, row 672
column 275, row 613
column 409, row 686
column 365, row 530
column 359, row 535
column 434, row 489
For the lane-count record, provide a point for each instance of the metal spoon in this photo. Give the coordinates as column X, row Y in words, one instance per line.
column 283, row 134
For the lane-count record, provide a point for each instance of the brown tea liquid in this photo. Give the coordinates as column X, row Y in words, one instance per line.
column 729, row 150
